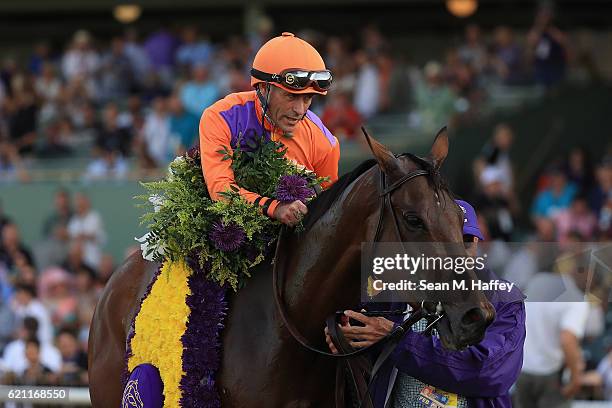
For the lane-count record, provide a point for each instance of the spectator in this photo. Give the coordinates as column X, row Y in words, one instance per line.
column 22, row 116
column 578, row 169
column 473, row 50
column 548, row 49
column 14, row 358
column 199, row 93
column 434, row 100
column 36, row 373
column 194, row 50
column 555, row 198
column 160, row 47
column 494, row 205
column 605, row 221
column 508, row 57
column 140, row 63
column 496, row 154
column 341, row 117
column 554, row 329
column 53, row 249
column 61, row 214
column 49, row 88
column 86, row 295
column 57, row 134
column 11, row 168
column 81, row 61
column 56, row 288
column 107, row 267
column 86, row 227
column 578, row 218
column 75, row 261
column 458, row 75
column 367, row 85
column 11, row 247
column 234, row 79
column 155, row 144
column 109, row 165
column 183, row 125
column 523, row 264
column 8, row 322
column 602, row 191
column 40, row 57
column 74, row 361
column 112, row 136
column 8, row 71
column 115, row 76
column 25, row 303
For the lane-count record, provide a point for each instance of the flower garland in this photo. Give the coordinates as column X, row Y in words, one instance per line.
column 230, row 235
column 159, row 328
column 202, row 341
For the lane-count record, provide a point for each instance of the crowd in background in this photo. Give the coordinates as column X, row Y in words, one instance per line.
column 133, row 104
column 48, row 293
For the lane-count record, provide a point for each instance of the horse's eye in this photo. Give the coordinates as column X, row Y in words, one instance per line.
column 413, row 220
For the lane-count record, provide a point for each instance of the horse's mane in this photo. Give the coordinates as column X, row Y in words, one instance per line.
column 318, row 207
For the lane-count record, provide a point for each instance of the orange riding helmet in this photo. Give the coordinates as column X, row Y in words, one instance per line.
column 292, row 64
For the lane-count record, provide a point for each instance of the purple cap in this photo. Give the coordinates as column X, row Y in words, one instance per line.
column 470, row 221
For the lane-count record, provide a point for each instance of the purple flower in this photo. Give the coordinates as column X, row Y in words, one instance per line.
column 194, row 152
column 293, row 187
column 228, row 237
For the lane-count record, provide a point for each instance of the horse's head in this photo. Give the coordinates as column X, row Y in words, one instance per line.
column 417, row 207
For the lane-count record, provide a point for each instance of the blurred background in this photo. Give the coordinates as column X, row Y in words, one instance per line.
column 96, row 96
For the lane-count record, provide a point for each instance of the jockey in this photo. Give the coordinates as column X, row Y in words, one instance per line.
column 421, row 372
column 287, row 72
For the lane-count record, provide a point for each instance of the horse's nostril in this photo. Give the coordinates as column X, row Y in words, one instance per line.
column 473, row 316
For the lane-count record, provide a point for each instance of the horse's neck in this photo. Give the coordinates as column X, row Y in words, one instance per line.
column 326, row 261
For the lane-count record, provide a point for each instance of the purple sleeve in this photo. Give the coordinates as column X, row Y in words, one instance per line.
column 487, row 369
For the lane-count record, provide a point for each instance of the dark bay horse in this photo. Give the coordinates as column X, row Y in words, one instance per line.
column 262, row 364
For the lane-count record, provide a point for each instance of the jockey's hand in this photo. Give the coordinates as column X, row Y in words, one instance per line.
column 290, row 213
column 374, row 329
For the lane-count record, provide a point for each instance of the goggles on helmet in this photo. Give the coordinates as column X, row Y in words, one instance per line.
column 297, row 79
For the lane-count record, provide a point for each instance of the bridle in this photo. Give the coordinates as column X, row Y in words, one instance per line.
column 420, row 312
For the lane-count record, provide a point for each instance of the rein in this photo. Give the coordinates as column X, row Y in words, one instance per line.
column 390, row 339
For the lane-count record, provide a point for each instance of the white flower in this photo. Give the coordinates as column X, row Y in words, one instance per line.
column 144, row 247
column 157, row 202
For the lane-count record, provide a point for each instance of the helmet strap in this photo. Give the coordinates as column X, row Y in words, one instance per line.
column 265, row 102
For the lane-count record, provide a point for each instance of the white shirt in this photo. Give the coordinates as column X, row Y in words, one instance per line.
column 80, row 63
column 37, row 310
column 105, row 170
column 567, row 310
column 90, row 224
column 14, row 357
column 157, row 137
column 367, row 90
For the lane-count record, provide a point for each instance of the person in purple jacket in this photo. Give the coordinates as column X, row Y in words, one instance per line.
column 420, row 372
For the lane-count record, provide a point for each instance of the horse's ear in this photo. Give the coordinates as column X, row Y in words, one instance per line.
column 439, row 149
column 385, row 158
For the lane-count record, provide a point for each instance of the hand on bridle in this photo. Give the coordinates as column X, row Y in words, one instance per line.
column 373, row 330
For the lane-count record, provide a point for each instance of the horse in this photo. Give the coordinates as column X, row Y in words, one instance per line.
column 262, row 363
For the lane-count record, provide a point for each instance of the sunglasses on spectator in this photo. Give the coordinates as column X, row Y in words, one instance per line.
column 297, row 79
